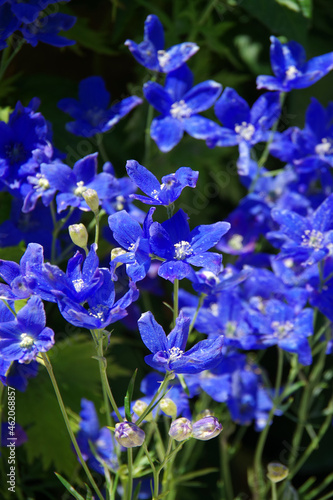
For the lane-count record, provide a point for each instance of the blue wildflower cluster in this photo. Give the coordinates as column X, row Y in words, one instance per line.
column 278, row 242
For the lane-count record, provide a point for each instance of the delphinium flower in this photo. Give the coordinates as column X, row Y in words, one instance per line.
column 28, row 12
column 244, row 126
column 160, row 194
column 100, row 439
column 26, row 335
column 310, row 149
column 15, row 374
column 91, row 112
column 71, row 183
column 291, row 69
column 168, row 352
column 280, row 324
column 150, row 52
column 8, row 23
column 204, row 281
column 23, row 142
column 181, row 248
column 239, row 384
column 307, row 240
column 180, row 104
column 135, row 242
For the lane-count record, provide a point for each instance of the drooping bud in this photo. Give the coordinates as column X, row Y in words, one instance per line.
column 140, row 407
column 90, row 196
column 168, row 407
column 206, row 428
column 277, row 472
column 79, row 235
column 129, row 435
column 180, row 429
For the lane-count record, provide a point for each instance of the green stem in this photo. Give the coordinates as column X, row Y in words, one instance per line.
column 274, row 492
column 98, row 337
column 201, row 301
column 130, row 473
column 175, row 300
column 49, row 369
column 263, row 435
column 161, row 392
column 97, row 227
column 154, row 471
column 7, row 59
column 226, row 469
column 105, row 394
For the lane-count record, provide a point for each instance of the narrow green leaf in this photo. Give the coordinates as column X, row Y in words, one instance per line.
column 89, row 495
column 69, row 487
column 128, row 397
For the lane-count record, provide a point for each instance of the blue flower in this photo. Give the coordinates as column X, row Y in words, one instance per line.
column 128, row 233
column 46, row 29
column 160, row 194
column 291, row 69
column 151, row 54
column 90, row 434
column 173, row 241
column 25, row 336
column 311, row 149
column 243, row 126
column 169, row 351
column 28, row 12
column 8, row 23
column 180, row 104
column 307, row 240
column 91, row 112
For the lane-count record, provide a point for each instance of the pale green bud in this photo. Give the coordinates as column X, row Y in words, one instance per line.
column 78, row 235
column 140, row 407
column 180, row 429
column 128, row 434
column 206, row 428
column 277, row 472
column 90, row 196
column 168, row 407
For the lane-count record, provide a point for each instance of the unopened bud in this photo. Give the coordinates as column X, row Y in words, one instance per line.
column 78, row 235
column 129, row 435
column 277, row 472
column 168, row 407
column 180, row 429
column 140, row 407
column 90, row 196
column 206, row 428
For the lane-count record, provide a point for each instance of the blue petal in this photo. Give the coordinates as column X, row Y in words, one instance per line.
column 158, row 97
column 152, row 334
column 200, row 127
column 206, row 236
column 126, row 230
column 145, row 53
column 166, row 132
column 203, row 96
column 174, row 269
column 160, row 242
column 86, row 168
column 177, row 55
column 178, row 82
column 32, row 316
column 153, row 31
column 210, row 260
column 322, row 217
column 143, row 178
column 231, row 109
column 93, row 93
column 179, row 334
column 89, row 421
column 177, row 227
column 266, row 110
column 322, row 64
column 120, row 110
column 270, row 83
column 278, row 54
column 205, row 355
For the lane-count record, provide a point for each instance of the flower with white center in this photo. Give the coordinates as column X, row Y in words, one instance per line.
column 180, row 110
column 245, row 130
column 182, row 249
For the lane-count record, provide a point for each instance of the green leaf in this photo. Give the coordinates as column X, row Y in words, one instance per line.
column 18, row 304
column 13, row 253
column 279, row 18
column 85, row 36
column 78, row 376
column 128, row 397
column 69, row 487
column 303, row 6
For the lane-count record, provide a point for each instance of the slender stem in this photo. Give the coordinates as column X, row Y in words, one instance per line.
column 97, row 227
column 105, row 394
column 49, row 369
column 226, row 469
column 7, row 59
column 201, row 301
column 98, row 336
column 130, row 473
column 264, row 433
column 161, row 391
column 175, row 300
column 274, row 492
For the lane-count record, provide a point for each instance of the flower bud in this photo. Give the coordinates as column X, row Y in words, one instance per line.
column 168, row 407
column 129, row 435
column 206, row 428
column 277, row 472
column 140, row 407
column 78, row 235
column 180, row 429
column 90, row 196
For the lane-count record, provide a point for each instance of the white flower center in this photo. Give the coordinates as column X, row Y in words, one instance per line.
column 292, row 72
column 120, row 200
column 26, row 341
column 78, row 284
column 42, row 182
column 214, row 309
column 313, row 239
column 180, row 110
column 245, row 130
column 175, row 353
column 182, row 250
column 282, row 330
column 80, row 188
column 323, row 148
column 236, row 242
column 163, row 57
